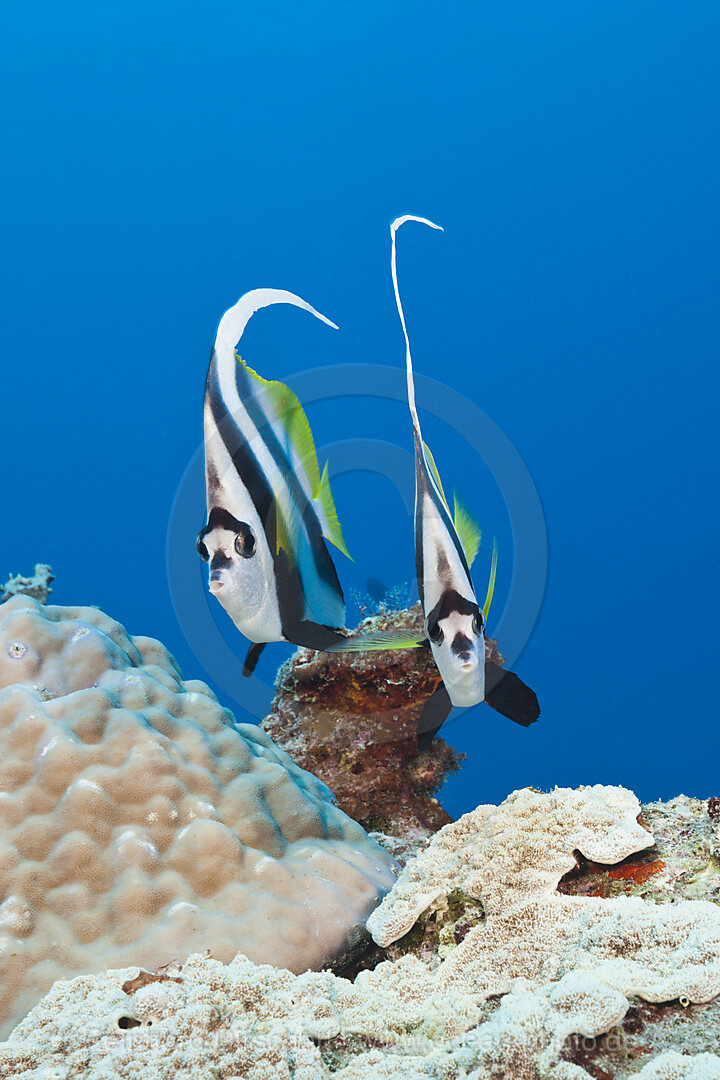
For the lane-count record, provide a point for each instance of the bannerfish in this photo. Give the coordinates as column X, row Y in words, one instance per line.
column 454, row 622
column 445, row 547
column 269, row 509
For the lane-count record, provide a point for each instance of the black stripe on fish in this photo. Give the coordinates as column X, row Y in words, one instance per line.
column 426, row 486
column 324, row 566
column 288, row 586
column 244, row 462
column 451, row 601
column 222, row 519
column 288, row 583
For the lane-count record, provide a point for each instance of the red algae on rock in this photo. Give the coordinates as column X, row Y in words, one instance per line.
column 638, row 873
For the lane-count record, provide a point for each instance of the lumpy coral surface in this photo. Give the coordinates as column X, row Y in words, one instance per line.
column 546, row 987
column 139, row 823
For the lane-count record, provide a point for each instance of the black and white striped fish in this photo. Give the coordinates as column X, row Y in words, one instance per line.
column 445, row 547
column 269, row 508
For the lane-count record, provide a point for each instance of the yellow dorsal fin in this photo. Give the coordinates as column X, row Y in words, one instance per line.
column 491, row 582
column 468, row 530
column 435, row 473
column 291, row 416
column 333, row 529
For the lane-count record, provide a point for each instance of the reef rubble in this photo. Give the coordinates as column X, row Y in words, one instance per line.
column 542, row 985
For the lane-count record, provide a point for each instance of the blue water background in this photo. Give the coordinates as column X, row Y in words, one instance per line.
column 161, row 159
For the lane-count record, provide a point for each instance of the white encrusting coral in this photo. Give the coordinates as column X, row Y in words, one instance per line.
column 518, row 851
column 139, row 823
column 512, row 858
column 566, row 965
column 674, row 1066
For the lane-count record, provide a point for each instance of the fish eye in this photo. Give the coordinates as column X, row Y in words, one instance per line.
column 478, row 623
column 245, row 542
column 435, row 633
column 201, row 549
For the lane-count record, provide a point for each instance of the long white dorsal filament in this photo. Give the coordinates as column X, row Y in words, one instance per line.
column 236, row 318
column 393, row 263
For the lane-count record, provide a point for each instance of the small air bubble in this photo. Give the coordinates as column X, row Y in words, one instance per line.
column 17, row 650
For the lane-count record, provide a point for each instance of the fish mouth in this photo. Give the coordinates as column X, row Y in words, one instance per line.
column 216, row 583
column 467, row 662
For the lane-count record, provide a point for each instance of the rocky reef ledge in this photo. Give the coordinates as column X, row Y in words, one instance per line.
column 564, row 935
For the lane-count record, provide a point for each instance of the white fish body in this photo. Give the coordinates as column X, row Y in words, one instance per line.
column 454, row 622
column 269, row 509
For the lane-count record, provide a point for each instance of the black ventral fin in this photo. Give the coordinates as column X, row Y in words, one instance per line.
column 253, row 655
column 509, row 695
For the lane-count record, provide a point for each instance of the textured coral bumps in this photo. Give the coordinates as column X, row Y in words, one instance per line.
column 566, row 968
column 138, row 823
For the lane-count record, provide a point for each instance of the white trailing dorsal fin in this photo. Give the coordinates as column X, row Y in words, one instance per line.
column 408, row 358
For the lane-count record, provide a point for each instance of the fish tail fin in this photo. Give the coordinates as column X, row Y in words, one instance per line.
column 408, row 357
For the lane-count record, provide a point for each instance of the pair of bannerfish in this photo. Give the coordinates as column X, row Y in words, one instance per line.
column 270, row 511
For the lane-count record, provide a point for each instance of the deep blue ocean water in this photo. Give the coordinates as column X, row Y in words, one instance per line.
column 162, row 159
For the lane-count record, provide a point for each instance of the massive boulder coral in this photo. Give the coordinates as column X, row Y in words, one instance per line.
column 139, row 823
column 520, row 1004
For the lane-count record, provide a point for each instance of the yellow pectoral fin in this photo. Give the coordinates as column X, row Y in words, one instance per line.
column 381, row 641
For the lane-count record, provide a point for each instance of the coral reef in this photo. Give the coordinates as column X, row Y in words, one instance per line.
column 543, row 985
column 351, row 719
column 141, row 824
column 37, row 586
column 687, row 833
column 506, row 855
